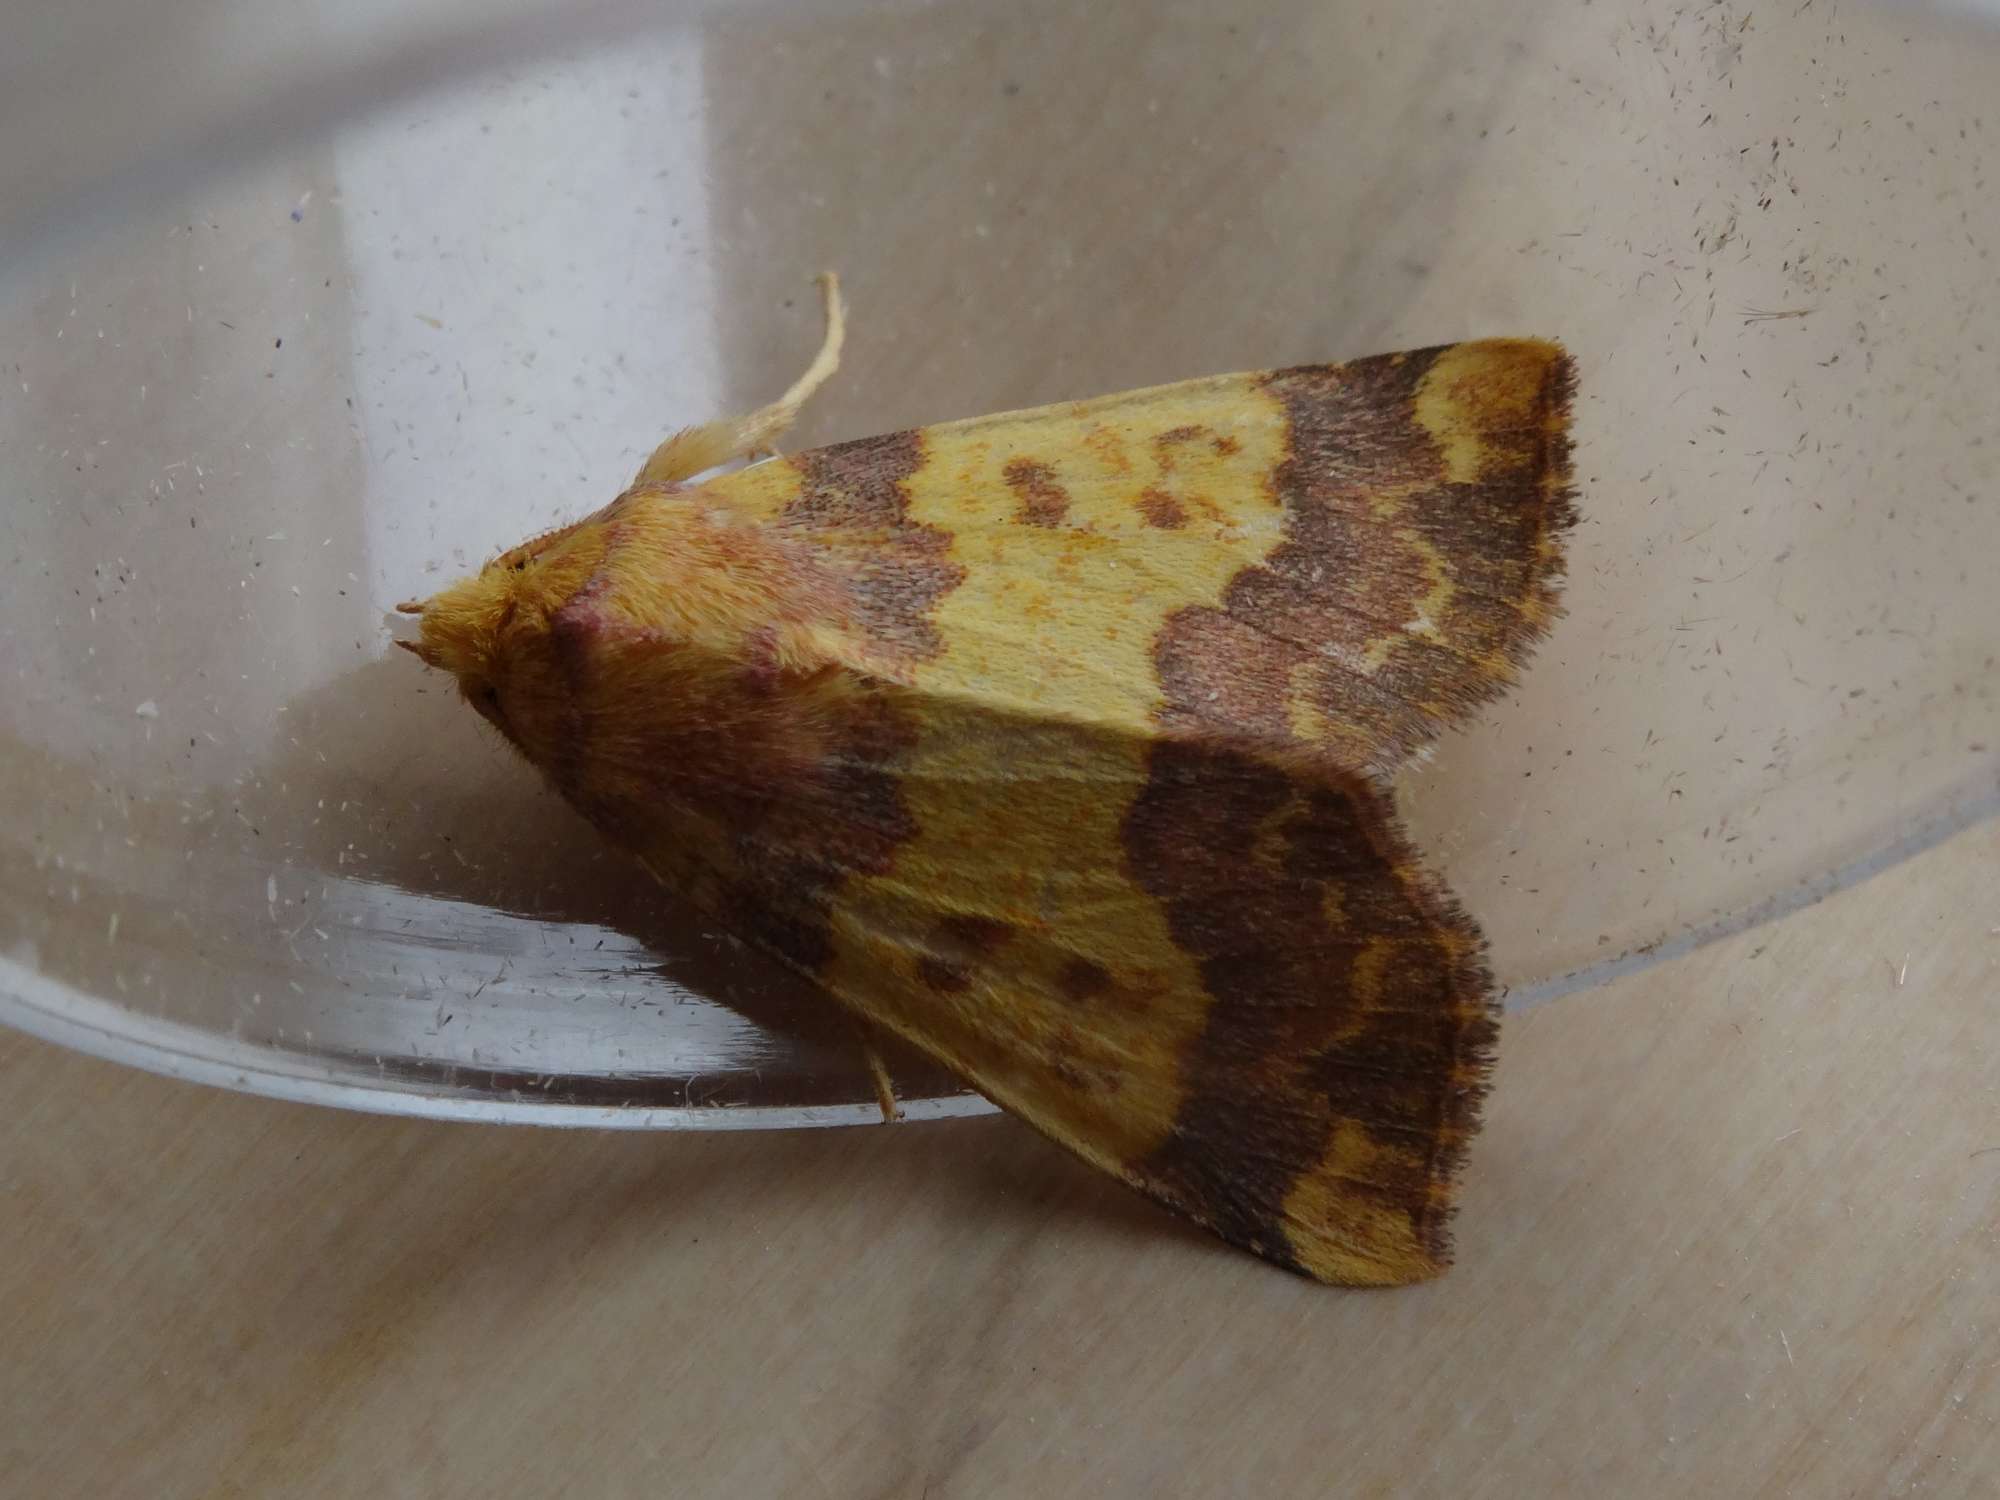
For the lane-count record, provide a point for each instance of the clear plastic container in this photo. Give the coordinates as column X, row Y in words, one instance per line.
column 241, row 840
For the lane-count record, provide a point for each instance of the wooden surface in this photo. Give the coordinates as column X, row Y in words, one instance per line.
column 1732, row 1229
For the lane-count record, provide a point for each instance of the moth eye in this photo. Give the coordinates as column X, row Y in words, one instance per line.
column 520, row 564
column 485, row 697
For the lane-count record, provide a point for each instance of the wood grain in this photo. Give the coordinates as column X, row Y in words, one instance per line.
column 1732, row 1230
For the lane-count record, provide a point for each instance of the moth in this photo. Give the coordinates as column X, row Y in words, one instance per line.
column 1060, row 743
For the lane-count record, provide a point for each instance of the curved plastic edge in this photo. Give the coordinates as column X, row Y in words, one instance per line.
column 55, row 1012
column 1928, row 833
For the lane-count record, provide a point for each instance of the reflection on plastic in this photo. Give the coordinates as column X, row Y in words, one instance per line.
column 239, row 844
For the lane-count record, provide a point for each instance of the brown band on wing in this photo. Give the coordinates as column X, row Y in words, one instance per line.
column 793, row 766
column 841, row 811
column 1408, row 593
column 807, row 763
column 800, row 796
column 858, row 485
column 1342, row 990
column 905, row 568
column 1351, row 1026
column 844, row 814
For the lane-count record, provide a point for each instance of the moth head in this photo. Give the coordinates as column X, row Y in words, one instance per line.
column 461, row 629
column 464, row 628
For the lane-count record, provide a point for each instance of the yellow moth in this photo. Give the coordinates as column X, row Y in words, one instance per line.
column 1058, row 743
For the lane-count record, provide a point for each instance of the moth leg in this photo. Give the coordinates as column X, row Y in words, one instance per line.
column 693, row 450
column 885, row 1088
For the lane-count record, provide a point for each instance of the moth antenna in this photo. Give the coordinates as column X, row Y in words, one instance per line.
column 694, row 450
